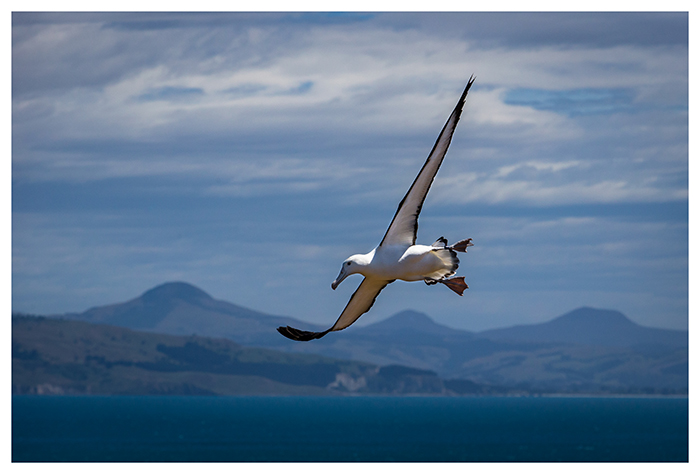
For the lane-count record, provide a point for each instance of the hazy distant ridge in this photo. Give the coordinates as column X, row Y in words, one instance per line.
column 593, row 327
column 587, row 349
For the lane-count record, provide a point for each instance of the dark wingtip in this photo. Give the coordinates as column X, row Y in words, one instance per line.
column 463, row 98
column 469, row 86
column 299, row 335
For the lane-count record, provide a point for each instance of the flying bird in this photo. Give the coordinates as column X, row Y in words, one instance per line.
column 398, row 257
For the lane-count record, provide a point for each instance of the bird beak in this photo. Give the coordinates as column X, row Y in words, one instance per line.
column 340, row 278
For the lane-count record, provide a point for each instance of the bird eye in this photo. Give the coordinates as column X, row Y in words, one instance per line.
column 349, row 263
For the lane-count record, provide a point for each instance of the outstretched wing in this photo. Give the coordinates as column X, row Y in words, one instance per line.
column 404, row 226
column 360, row 302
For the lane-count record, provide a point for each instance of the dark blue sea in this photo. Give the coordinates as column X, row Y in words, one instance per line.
column 348, row 429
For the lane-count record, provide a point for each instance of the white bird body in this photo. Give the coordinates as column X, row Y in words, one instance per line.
column 398, row 257
column 398, row 262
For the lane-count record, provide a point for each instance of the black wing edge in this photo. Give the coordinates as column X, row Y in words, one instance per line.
column 457, row 110
column 299, row 335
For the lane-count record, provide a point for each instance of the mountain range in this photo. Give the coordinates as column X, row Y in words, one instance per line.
column 585, row 350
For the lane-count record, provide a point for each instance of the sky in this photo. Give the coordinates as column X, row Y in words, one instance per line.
column 249, row 154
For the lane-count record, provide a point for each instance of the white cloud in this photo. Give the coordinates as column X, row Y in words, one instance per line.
column 470, row 187
column 365, row 81
column 554, row 167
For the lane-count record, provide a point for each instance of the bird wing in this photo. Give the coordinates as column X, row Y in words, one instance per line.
column 404, row 226
column 360, row 302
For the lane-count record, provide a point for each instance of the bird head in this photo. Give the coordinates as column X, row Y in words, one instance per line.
column 350, row 266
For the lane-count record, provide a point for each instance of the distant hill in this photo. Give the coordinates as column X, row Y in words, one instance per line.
column 53, row 356
column 410, row 324
column 563, row 363
column 596, row 327
column 182, row 309
column 589, row 350
column 407, row 338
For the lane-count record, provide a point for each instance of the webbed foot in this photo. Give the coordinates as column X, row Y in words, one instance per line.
column 456, row 284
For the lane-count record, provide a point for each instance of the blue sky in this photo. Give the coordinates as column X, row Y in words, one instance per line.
column 250, row 154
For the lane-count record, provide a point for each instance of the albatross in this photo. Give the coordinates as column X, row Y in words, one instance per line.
column 398, row 257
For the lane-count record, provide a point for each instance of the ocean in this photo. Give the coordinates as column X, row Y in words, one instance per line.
column 348, row 429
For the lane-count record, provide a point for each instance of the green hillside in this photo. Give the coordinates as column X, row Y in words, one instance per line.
column 73, row 357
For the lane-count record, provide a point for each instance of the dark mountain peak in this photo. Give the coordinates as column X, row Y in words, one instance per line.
column 409, row 321
column 181, row 308
column 602, row 317
column 409, row 316
column 149, row 309
column 406, row 318
column 591, row 326
column 174, row 290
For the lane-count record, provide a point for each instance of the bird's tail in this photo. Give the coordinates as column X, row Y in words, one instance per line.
column 462, row 245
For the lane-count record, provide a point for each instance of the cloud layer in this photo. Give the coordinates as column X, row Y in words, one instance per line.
column 302, row 131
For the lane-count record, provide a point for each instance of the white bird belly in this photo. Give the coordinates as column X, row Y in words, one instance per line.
column 414, row 263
